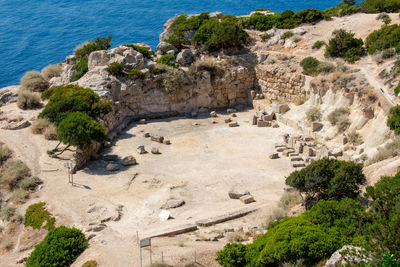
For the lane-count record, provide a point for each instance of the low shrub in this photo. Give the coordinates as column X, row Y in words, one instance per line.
column 36, row 215
column 19, row 196
column 168, row 60
column 395, row 70
column 39, row 125
column 50, row 132
column 12, row 172
column 236, row 237
column 393, row 121
column 84, row 50
column 33, row 81
column 289, row 199
column 5, row 153
column 383, row 38
column 276, row 215
column 326, row 68
column 158, row 70
column 81, row 67
column 30, row 183
column 28, row 100
column 145, row 51
column 343, row 123
column 397, row 89
column 310, row 66
column 116, row 68
column 265, row 36
column 136, row 74
column 335, row 116
column 7, row 212
column 91, row 263
column 388, row 53
column 59, row 248
column 51, row 71
column 206, row 64
column 173, row 82
column 287, row 34
column 345, row 46
column 391, row 149
column 355, row 138
column 313, row 114
column 300, row 100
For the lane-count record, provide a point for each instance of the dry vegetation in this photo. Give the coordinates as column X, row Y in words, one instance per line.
column 313, row 114
column 45, row 127
column 28, row 100
column 51, row 71
column 391, row 149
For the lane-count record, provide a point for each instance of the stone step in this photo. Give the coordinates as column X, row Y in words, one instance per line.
column 174, row 230
column 225, row 217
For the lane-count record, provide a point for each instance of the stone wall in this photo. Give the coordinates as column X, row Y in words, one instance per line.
column 280, row 82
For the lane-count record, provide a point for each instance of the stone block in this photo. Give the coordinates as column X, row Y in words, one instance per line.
column 157, row 138
column 298, row 164
column 316, row 126
column 269, row 117
column 233, row 124
column 296, row 159
column 253, row 120
column 287, row 152
column 263, row 123
column 233, row 194
column 247, row 199
column 128, row 161
column 228, row 120
column 281, row 149
column 141, row 150
column 154, row 150
column 112, row 167
column 213, row 114
column 336, row 153
column 274, row 156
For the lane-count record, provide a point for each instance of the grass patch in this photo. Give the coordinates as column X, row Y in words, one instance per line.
column 289, row 199
column 36, row 215
column 91, row 263
column 30, row 183
column 391, row 149
column 51, row 71
column 168, row 60
column 313, row 114
column 7, row 212
column 28, row 100
column 116, row 68
column 12, row 172
column 136, row 74
column 19, row 196
column 318, row 44
column 355, row 138
column 145, row 51
column 335, row 116
column 33, row 81
column 5, row 153
column 39, row 125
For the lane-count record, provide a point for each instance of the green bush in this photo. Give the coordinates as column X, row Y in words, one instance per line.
column 158, row 70
column 318, row 44
column 80, row 130
column 310, row 66
column 168, row 60
column 377, row 6
column 60, row 247
column 141, row 49
column 344, row 45
column 397, row 89
column 36, row 215
column 341, row 10
column 12, row 172
column 287, row 34
column 265, row 36
column 232, row 255
column 72, row 98
column 393, row 121
column 91, row 263
column 82, row 53
column 215, row 35
column 395, row 70
column 33, row 81
column 101, row 43
column 116, row 68
column 81, row 67
column 28, row 100
column 383, row 38
column 328, row 179
column 326, row 67
column 136, row 74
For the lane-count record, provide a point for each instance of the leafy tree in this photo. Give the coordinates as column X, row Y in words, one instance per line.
column 78, row 129
column 385, row 209
column 60, row 247
column 388, row 36
column 393, row 121
column 377, row 6
column 327, row 179
column 344, row 45
column 348, row 2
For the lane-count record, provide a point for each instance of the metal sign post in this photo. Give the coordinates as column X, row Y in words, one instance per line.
column 145, row 243
column 70, row 176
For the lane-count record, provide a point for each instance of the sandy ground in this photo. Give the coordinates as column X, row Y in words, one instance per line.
column 202, row 164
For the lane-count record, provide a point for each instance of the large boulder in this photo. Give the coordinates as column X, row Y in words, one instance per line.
column 185, row 57
column 347, row 254
column 164, row 47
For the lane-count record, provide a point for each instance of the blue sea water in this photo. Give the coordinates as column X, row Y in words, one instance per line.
column 34, row 34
